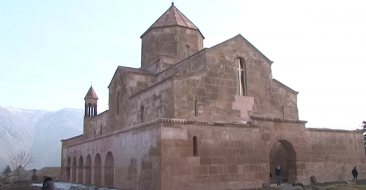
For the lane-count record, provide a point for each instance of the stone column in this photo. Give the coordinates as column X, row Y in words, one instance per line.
column 95, row 110
column 97, row 176
column 79, row 176
column 109, row 176
column 34, row 176
column 103, row 175
column 86, row 110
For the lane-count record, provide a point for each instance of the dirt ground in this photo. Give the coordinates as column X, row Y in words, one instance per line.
column 350, row 186
column 19, row 186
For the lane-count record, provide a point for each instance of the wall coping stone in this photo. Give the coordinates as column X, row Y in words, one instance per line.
column 277, row 119
column 335, row 130
column 156, row 121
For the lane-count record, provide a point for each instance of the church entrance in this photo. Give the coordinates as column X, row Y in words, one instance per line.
column 283, row 153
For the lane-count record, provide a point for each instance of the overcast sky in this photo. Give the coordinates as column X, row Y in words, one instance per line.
column 50, row 51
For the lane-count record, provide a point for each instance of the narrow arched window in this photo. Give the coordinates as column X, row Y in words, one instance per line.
column 195, row 108
column 187, row 53
column 95, row 110
column 89, row 110
column 241, row 77
column 195, row 151
column 118, row 103
column 101, row 129
column 142, row 113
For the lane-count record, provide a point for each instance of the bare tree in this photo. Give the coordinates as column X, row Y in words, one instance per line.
column 19, row 162
column 2, row 171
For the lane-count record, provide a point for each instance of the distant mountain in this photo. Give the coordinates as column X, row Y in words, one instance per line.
column 37, row 131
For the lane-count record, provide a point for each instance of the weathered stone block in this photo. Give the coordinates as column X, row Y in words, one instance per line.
column 361, row 182
column 212, row 169
column 314, row 180
column 206, row 161
column 292, row 188
column 202, row 169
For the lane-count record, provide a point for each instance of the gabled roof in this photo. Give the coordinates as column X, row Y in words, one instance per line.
column 130, row 70
column 286, row 87
column 172, row 17
column 91, row 94
column 134, row 70
column 239, row 35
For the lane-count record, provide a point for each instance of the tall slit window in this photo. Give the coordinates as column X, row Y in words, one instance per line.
column 195, row 152
column 241, row 77
column 142, row 113
column 118, row 103
column 187, row 52
column 89, row 110
column 195, row 108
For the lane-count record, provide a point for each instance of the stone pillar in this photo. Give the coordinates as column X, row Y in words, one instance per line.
column 109, row 176
column 86, row 110
column 34, row 176
column 97, row 175
column 103, row 175
column 80, row 176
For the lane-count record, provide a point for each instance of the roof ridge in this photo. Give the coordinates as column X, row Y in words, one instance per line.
column 181, row 16
column 173, row 17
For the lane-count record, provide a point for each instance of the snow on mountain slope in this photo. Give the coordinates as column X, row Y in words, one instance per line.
column 37, row 131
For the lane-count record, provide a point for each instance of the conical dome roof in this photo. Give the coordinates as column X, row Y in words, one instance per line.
column 172, row 17
column 91, row 94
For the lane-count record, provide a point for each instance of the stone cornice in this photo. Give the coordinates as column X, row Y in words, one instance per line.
column 277, row 120
column 335, row 130
column 156, row 121
column 72, row 138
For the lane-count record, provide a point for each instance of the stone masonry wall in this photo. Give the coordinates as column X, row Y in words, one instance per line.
column 169, row 42
column 98, row 125
column 227, row 157
column 126, row 84
column 117, row 119
column 239, row 157
column 330, row 155
column 269, row 98
column 136, row 154
column 202, row 98
column 283, row 102
column 139, row 82
column 157, row 102
column 193, row 64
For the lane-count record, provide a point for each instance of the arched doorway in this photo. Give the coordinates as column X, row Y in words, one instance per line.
column 68, row 168
column 283, row 153
column 88, row 170
column 97, row 170
column 73, row 174
column 80, row 170
column 109, row 170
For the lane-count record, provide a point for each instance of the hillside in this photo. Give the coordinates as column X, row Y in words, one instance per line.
column 39, row 132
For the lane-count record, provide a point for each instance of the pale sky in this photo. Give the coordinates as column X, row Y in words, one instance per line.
column 50, row 51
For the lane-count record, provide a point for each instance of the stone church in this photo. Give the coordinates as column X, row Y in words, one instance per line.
column 202, row 118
